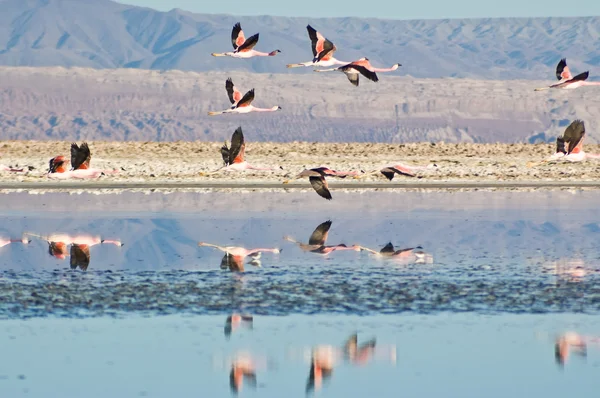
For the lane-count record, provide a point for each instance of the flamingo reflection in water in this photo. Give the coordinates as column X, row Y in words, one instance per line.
column 79, row 250
column 316, row 242
column 235, row 321
column 235, row 255
column 410, row 255
column 572, row 341
column 8, row 241
column 324, row 358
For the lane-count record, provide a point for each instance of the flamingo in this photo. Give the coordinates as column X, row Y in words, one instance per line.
column 80, row 247
column 233, row 156
column 359, row 355
column 241, row 104
column 243, row 369
column 80, row 165
column 236, row 320
column 565, row 342
column 242, row 47
column 566, row 81
column 234, row 256
column 322, row 49
column 410, row 255
column 569, row 146
column 6, row 242
column 316, row 177
column 354, row 69
column 316, row 242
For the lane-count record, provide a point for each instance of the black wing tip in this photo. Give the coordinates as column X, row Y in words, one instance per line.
column 237, row 25
column 229, row 80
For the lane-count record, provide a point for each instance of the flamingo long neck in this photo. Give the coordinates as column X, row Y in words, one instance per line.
column 393, row 68
column 255, row 109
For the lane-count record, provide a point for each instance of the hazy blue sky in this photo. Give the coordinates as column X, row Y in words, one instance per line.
column 382, row 8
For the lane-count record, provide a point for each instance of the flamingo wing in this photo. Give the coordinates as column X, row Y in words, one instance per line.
column 580, row 77
column 562, row 70
column 321, row 47
column 80, row 156
column 233, row 263
column 248, row 44
column 366, row 72
column 402, row 171
column 232, row 92
column 387, row 249
column 225, row 153
column 237, row 36
column 55, row 164
column 246, row 99
column 236, row 152
column 320, row 186
column 319, row 235
column 80, row 256
column 560, row 145
column 574, row 135
column 388, row 173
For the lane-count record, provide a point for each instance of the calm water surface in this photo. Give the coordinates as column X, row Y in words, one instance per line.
column 478, row 288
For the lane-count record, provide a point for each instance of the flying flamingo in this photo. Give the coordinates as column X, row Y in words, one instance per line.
column 322, row 49
column 241, row 104
column 566, row 81
column 233, row 156
column 236, row 320
column 6, row 242
column 316, row 242
column 410, row 255
column 242, row 47
column 354, row 69
column 316, row 177
column 80, row 165
column 234, row 256
column 569, row 146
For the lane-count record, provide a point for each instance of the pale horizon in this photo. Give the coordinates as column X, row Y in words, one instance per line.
column 438, row 9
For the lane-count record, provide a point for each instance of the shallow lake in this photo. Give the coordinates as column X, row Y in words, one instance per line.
column 112, row 295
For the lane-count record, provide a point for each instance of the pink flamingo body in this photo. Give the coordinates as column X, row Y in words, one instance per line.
column 241, row 104
column 242, row 47
column 322, row 49
column 316, row 242
column 233, row 156
column 569, row 146
column 235, row 255
column 316, row 177
column 80, row 165
column 566, row 81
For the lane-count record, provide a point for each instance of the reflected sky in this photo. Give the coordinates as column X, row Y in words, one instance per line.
column 457, row 251
column 464, row 355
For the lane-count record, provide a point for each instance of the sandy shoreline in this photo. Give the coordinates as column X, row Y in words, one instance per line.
column 184, row 164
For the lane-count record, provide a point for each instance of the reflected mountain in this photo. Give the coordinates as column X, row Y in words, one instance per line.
column 410, row 255
column 235, row 321
column 234, row 256
column 80, row 247
column 316, row 242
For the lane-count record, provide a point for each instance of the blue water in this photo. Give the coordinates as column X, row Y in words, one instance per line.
column 475, row 310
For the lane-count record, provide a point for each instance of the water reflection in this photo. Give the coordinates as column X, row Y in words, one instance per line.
column 316, row 241
column 234, row 256
column 413, row 255
column 80, row 247
column 235, row 321
column 243, row 369
column 8, row 241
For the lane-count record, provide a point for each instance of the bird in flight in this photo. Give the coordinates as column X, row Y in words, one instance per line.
column 316, row 177
column 242, row 47
column 239, row 103
column 569, row 146
column 354, row 69
column 233, row 156
column 322, row 50
column 80, row 165
column 316, row 242
column 234, row 255
column 566, row 80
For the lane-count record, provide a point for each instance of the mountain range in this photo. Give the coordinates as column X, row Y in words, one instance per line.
column 106, row 34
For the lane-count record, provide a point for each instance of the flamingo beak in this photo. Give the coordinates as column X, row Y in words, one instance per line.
column 286, row 182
